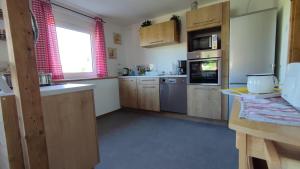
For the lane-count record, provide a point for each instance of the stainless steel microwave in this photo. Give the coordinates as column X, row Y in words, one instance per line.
column 204, row 42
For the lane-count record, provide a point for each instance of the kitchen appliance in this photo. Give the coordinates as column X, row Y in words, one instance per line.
column 45, row 79
column 3, row 86
column 125, row 71
column 261, row 83
column 7, row 78
column 204, row 42
column 291, row 86
column 205, row 69
column 182, row 67
column 208, row 39
column 252, row 47
column 173, row 94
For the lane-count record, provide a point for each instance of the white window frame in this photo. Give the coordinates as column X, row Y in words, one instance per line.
column 77, row 23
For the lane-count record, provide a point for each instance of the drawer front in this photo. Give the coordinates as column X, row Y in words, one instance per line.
column 128, row 79
column 148, row 81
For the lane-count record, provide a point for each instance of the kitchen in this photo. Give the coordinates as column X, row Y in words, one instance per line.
column 164, row 78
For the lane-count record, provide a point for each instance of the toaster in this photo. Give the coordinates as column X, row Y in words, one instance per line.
column 291, row 85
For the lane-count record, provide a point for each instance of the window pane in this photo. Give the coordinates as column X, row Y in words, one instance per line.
column 75, row 51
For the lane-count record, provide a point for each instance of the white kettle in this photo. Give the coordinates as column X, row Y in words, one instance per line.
column 261, row 83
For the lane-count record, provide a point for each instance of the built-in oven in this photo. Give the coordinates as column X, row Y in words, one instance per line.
column 205, row 70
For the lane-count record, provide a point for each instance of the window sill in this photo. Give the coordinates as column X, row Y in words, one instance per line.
column 84, row 79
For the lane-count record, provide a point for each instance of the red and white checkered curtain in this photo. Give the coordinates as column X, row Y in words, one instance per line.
column 100, row 49
column 47, row 52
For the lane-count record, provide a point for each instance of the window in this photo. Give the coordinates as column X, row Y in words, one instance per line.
column 75, row 49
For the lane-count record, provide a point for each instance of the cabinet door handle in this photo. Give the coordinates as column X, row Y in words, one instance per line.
column 209, row 20
column 149, row 87
column 152, row 80
column 157, row 41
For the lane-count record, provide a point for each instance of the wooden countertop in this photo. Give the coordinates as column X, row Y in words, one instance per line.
column 278, row 133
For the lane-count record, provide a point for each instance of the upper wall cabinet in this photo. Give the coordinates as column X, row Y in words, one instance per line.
column 204, row 17
column 159, row 34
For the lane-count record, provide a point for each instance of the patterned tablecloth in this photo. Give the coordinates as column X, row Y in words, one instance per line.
column 271, row 110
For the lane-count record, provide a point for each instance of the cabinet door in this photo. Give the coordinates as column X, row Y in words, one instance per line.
column 148, row 97
column 169, row 32
column 204, row 101
column 145, row 36
column 159, row 34
column 204, row 17
column 128, row 92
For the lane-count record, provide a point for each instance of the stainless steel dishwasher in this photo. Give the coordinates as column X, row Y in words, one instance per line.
column 173, row 94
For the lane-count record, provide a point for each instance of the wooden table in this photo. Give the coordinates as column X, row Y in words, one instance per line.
column 277, row 144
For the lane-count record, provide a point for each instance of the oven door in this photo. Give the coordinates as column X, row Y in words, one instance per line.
column 204, row 71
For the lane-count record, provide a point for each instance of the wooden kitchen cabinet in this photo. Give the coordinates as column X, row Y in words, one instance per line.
column 148, row 94
column 70, row 131
column 294, row 51
column 159, row 34
column 210, row 16
column 128, row 92
column 204, row 101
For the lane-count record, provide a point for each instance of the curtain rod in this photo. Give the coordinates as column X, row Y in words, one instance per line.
column 76, row 11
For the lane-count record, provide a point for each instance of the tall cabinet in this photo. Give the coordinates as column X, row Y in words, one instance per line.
column 207, row 101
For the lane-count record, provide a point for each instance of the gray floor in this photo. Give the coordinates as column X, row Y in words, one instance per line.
column 143, row 141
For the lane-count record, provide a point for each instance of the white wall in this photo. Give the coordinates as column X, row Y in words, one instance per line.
column 283, row 38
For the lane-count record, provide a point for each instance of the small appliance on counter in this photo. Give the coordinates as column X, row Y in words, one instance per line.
column 125, row 71
column 182, row 67
column 291, row 86
column 45, row 79
column 3, row 86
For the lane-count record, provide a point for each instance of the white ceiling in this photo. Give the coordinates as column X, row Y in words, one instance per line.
column 127, row 12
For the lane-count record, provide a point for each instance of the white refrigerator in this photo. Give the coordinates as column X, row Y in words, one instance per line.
column 252, row 46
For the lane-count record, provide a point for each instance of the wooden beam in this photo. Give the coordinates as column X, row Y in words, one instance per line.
column 25, row 82
column 271, row 154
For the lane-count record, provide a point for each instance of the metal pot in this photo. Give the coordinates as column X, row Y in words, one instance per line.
column 261, row 83
column 7, row 78
column 45, row 79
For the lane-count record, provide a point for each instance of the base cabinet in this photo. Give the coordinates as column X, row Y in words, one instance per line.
column 128, row 92
column 204, row 101
column 148, row 97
